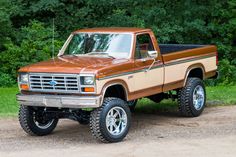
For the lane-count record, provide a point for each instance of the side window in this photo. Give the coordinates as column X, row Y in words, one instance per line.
column 143, row 45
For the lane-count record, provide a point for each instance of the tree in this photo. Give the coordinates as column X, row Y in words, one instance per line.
column 173, row 21
column 36, row 45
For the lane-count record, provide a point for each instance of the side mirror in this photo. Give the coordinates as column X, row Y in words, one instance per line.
column 153, row 54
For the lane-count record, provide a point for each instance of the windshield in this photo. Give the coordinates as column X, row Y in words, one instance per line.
column 99, row 44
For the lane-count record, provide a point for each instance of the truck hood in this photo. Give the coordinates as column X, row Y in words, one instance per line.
column 72, row 64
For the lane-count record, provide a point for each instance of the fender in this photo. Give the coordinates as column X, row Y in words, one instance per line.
column 192, row 67
column 112, row 83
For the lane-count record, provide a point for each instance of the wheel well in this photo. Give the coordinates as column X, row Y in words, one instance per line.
column 197, row 72
column 116, row 91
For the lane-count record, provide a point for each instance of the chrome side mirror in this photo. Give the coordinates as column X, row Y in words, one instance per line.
column 153, row 54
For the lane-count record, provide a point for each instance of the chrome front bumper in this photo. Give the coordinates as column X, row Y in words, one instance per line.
column 60, row 101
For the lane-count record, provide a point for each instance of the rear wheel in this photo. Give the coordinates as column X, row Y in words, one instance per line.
column 35, row 122
column 192, row 98
column 110, row 122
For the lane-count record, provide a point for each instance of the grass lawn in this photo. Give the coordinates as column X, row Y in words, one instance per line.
column 8, row 104
column 220, row 95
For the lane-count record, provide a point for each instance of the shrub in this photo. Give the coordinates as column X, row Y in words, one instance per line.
column 35, row 46
column 6, row 80
column 227, row 73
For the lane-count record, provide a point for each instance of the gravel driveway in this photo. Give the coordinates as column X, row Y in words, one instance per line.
column 213, row 134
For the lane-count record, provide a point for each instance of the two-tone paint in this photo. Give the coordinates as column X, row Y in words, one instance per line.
column 169, row 72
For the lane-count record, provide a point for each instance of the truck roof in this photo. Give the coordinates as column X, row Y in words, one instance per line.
column 114, row 29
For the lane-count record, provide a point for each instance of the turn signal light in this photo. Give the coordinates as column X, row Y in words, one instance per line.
column 24, row 87
column 88, row 89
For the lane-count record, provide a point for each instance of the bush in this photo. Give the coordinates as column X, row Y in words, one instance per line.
column 35, row 45
column 6, row 80
column 227, row 73
column 190, row 22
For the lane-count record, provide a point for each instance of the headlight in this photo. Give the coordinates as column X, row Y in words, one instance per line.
column 87, row 80
column 24, row 78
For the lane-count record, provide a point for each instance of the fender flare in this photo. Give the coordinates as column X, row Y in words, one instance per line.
column 113, row 83
column 192, row 67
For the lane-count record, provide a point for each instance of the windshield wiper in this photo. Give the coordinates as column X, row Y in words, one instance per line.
column 111, row 56
column 100, row 53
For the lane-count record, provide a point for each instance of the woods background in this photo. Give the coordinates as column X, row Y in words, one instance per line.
column 26, row 27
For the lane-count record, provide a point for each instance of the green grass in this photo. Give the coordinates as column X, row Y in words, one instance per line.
column 224, row 95
column 219, row 95
column 8, row 104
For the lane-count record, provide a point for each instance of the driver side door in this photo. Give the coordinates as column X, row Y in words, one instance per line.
column 147, row 81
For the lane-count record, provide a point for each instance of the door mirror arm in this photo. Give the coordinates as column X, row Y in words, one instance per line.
column 153, row 55
column 154, row 61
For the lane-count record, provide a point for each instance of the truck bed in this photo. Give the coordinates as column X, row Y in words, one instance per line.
column 169, row 48
column 171, row 52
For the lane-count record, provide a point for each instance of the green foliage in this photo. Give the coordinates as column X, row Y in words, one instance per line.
column 6, row 80
column 5, row 23
column 227, row 73
column 173, row 21
column 36, row 45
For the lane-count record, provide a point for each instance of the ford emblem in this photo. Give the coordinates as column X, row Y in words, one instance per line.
column 53, row 83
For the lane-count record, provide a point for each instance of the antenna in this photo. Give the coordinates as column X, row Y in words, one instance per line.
column 53, row 38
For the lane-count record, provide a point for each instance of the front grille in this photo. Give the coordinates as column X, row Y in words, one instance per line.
column 54, row 82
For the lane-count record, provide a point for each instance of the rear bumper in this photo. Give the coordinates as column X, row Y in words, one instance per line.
column 60, row 101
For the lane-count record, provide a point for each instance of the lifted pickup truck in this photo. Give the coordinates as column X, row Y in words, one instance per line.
column 100, row 73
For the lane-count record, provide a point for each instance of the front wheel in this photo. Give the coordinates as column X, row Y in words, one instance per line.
column 35, row 122
column 192, row 98
column 111, row 121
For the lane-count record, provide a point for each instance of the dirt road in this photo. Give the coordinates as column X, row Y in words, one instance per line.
column 161, row 134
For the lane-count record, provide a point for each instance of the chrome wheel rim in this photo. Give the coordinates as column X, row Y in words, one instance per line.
column 116, row 121
column 198, row 97
column 43, row 124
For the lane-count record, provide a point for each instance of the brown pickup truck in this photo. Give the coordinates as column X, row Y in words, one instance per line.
column 100, row 73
